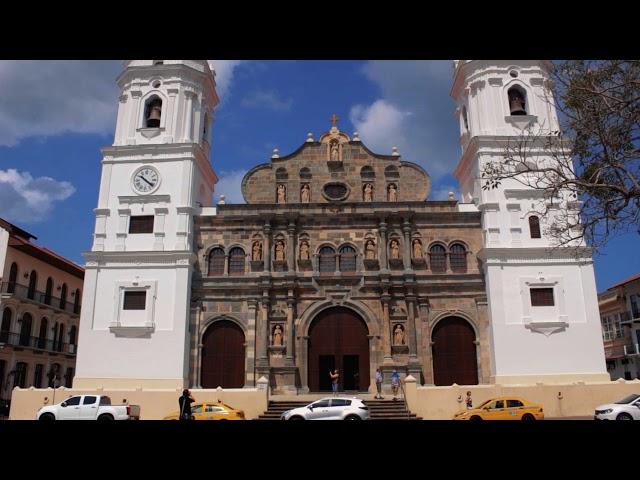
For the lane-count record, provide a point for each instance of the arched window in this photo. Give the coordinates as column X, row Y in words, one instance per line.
column 517, row 100
column 458, row 258
column 347, row 259
column 48, row 290
column 391, row 172
column 534, row 227
column 63, row 297
column 153, row 112
column 367, row 173
column 305, row 173
column 25, row 329
column 236, row 261
column 60, row 337
column 281, row 174
column 216, row 262
column 205, row 127
column 33, row 280
column 76, row 301
column 68, row 377
column 54, row 375
column 438, row 259
column 5, row 328
column 42, row 337
column 72, row 339
column 327, row 260
column 464, row 118
column 13, row 278
column 20, row 377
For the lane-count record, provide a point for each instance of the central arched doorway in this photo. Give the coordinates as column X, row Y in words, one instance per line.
column 223, row 356
column 454, row 352
column 338, row 338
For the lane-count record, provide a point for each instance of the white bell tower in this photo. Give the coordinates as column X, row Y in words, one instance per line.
column 545, row 324
column 155, row 178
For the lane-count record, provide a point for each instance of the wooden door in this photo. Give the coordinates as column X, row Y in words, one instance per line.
column 341, row 334
column 454, row 353
column 223, row 356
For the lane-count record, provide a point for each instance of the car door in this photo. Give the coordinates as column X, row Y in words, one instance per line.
column 319, row 410
column 88, row 408
column 514, row 409
column 71, row 409
column 197, row 411
column 213, row 412
column 337, row 407
column 495, row 411
column 635, row 410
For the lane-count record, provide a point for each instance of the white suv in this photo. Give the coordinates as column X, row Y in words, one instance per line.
column 331, row 408
column 626, row 409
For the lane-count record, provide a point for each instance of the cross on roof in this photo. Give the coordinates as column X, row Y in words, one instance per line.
column 334, row 119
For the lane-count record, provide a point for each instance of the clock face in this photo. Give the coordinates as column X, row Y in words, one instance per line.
column 146, row 180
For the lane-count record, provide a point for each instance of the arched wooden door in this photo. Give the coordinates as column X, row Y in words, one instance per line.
column 454, row 353
column 223, row 356
column 338, row 339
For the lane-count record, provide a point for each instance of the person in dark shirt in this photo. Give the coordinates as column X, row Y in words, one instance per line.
column 185, row 402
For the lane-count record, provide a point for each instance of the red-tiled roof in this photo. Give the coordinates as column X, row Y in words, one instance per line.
column 625, row 281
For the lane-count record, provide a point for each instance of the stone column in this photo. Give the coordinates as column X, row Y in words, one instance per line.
column 267, row 245
column 382, row 228
column 291, row 246
column 263, row 339
column 197, row 368
column 410, row 300
column 386, row 329
column 252, row 306
column 291, row 304
column 188, row 117
column 406, row 229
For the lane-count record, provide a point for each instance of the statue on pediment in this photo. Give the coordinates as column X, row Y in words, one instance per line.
column 282, row 194
column 256, row 251
column 304, row 250
column 367, row 192
column 370, row 250
column 305, row 193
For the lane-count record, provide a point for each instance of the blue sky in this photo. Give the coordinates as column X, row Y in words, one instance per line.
column 55, row 116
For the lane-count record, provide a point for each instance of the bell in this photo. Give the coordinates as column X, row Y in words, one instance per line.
column 154, row 116
column 516, row 105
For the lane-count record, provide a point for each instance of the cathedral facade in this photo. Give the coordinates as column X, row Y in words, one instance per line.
column 337, row 260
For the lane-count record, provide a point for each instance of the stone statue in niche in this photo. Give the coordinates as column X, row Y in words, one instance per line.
column 304, row 250
column 398, row 335
column 370, row 250
column 334, row 153
column 395, row 249
column 279, row 251
column 256, row 251
column 305, row 193
column 393, row 193
column 367, row 192
column 277, row 336
column 417, row 249
column 282, row 194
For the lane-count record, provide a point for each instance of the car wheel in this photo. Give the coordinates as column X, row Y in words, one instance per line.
column 297, row 417
column 47, row 417
column 105, row 417
column 624, row 416
column 353, row 417
column 528, row 417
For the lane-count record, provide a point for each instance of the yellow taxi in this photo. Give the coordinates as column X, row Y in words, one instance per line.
column 503, row 408
column 211, row 411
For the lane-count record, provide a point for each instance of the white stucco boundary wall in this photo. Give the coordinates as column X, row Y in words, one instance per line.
column 557, row 400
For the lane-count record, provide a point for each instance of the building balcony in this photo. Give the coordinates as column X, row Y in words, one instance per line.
column 629, row 317
column 632, row 349
column 23, row 292
column 36, row 343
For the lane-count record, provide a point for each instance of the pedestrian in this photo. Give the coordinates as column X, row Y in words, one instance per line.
column 334, row 381
column 395, row 383
column 468, row 401
column 185, row 402
column 379, row 383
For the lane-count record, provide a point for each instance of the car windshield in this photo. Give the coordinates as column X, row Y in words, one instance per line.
column 628, row 399
column 485, row 403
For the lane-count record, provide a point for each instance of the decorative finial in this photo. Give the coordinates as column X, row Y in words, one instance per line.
column 452, row 196
column 221, row 201
column 334, row 119
column 394, row 152
column 309, row 137
column 275, row 153
column 356, row 137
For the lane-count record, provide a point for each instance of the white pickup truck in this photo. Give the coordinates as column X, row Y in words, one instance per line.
column 88, row 407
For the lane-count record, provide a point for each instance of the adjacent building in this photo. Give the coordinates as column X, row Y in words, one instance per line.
column 40, row 299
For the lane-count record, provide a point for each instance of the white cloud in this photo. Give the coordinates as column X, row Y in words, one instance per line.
column 27, row 199
column 224, row 75
column 379, row 125
column 267, row 99
column 230, row 185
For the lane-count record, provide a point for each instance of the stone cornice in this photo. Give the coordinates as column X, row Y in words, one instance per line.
column 536, row 255
column 138, row 259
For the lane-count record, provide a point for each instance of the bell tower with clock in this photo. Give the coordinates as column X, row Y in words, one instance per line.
column 155, row 177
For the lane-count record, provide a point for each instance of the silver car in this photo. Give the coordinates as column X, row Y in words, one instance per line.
column 626, row 409
column 331, row 408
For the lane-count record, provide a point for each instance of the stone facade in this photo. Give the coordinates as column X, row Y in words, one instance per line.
column 384, row 291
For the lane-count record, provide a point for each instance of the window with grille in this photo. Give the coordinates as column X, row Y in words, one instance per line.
column 37, row 375
column 458, row 258
column 68, row 377
column 63, row 296
column 135, row 300
column 606, row 328
column 141, row 224
column 336, row 191
column 367, row 172
column 236, row 261
column 542, row 297
column 76, row 301
column 20, row 379
column 25, row 329
column 216, row 262
column 347, row 259
column 327, row 260
column 534, row 227
column 438, row 259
